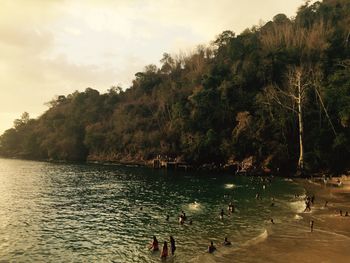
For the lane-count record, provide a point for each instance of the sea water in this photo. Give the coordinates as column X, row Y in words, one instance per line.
column 93, row 213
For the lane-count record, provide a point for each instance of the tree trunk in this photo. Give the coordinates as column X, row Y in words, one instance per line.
column 301, row 127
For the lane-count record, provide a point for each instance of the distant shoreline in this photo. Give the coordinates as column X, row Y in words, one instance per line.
column 203, row 167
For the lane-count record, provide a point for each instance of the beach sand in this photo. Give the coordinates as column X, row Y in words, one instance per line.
column 294, row 242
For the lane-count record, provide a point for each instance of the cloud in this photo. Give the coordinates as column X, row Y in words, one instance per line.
column 55, row 47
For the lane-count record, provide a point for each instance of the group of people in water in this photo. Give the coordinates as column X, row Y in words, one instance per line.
column 164, row 253
column 182, row 218
column 154, row 246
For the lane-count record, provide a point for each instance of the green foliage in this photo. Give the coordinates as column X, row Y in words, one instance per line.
column 215, row 104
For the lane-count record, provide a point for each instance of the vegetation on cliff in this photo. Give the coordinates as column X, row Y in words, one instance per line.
column 279, row 92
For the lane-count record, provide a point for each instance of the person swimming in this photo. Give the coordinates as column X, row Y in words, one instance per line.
column 172, row 245
column 211, row 247
column 154, row 245
column 164, row 253
column 226, row 242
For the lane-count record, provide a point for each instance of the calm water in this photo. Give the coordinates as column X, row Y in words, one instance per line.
column 75, row 213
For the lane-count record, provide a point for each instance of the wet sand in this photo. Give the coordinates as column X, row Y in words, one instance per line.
column 294, row 242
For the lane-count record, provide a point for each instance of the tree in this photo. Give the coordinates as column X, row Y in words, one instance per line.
column 292, row 96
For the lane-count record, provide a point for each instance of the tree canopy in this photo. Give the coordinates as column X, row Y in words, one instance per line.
column 222, row 102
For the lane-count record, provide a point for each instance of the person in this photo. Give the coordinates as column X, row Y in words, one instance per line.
column 211, row 247
column 312, row 225
column 167, row 218
column 164, row 253
column 226, row 242
column 172, row 245
column 312, row 199
column 222, row 214
column 346, row 213
column 154, row 245
column 181, row 220
column 231, row 207
column 141, row 208
column 307, row 205
column 272, row 221
column 272, row 201
column 325, row 204
column 341, row 212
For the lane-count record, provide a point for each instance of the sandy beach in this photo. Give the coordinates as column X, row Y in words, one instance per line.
column 329, row 241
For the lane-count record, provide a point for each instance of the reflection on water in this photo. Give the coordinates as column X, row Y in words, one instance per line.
column 60, row 213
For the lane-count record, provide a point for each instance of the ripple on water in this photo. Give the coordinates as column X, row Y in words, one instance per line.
column 92, row 213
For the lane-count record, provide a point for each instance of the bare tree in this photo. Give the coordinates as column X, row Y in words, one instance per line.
column 292, row 97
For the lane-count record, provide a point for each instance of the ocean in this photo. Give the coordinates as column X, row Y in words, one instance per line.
column 93, row 213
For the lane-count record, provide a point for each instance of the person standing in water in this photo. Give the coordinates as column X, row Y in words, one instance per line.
column 226, row 242
column 312, row 226
column 172, row 245
column 211, row 247
column 154, row 245
column 222, row 214
column 164, row 253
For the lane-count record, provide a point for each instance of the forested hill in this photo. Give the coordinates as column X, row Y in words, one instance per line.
column 244, row 95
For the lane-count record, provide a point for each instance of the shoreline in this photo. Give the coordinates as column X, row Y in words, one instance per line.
column 294, row 242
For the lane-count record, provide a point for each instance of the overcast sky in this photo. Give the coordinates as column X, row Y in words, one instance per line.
column 54, row 47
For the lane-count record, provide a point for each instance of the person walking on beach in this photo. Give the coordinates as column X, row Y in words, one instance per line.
column 172, row 245
column 312, row 226
column 164, row 253
column 154, row 245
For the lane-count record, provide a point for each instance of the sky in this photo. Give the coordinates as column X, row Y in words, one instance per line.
column 54, row 47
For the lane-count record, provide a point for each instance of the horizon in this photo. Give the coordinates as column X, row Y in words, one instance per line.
column 54, row 48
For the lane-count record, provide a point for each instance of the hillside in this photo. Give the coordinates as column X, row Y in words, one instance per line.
column 244, row 95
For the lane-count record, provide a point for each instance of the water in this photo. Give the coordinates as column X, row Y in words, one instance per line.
column 90, row 213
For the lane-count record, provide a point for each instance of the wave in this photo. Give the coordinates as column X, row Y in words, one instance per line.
column 230, row 186
column 298, row 217
column 258, row 239
column 297, row 206
column 195, row 206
